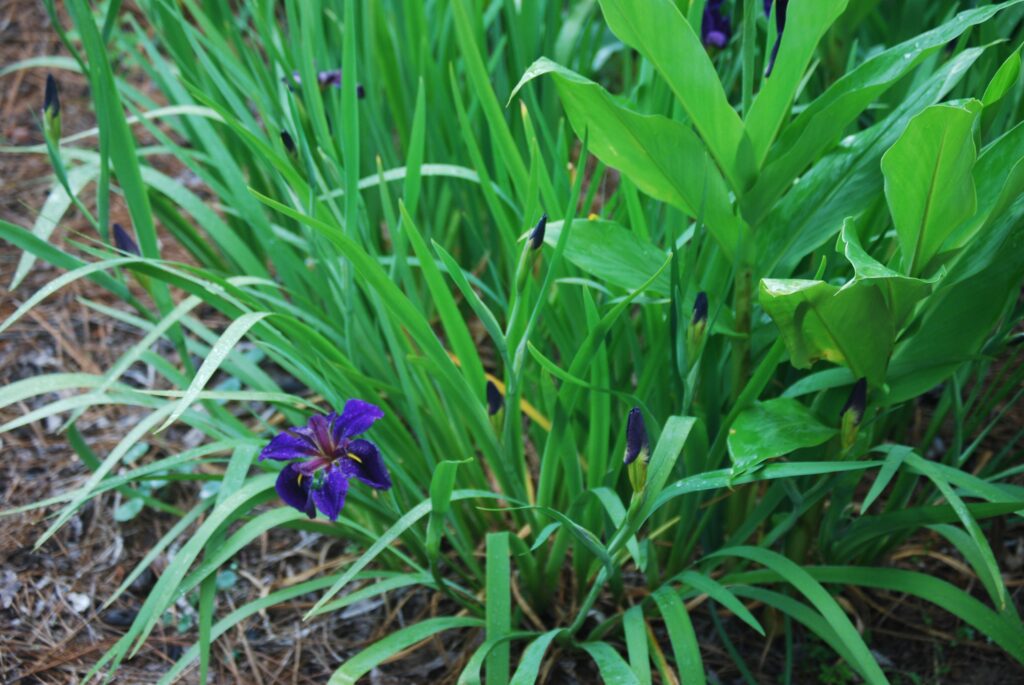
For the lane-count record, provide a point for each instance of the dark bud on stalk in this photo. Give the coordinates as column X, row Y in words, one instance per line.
column 853, row 413
column 124, row 242
column 289, row 144
column 700, row 309
column 495, row 401
column 638, row 449
column 51, row 109
column 537, row 234
column 697, row 329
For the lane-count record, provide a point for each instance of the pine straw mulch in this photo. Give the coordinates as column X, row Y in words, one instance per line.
column 53, row 622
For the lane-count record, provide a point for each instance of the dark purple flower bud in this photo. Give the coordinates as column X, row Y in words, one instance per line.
column 637, row 444
column 780, row 23
column 289, row 144
column 51, row 110
column 715, row 28
column 51, row 101
column 857, row 402
column 537, row 234
column 324, row 456
column 495, row 400
column 124, row 242
column 700, row 309
column 767, row 8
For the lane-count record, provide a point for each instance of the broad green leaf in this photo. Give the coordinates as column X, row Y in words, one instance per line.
column 823, row 123
column 844, row 183
column 929, row 182
column 608, row 251
column 959, row 317
column 773, row 429
column 999, row 179
column 902, row 293
column 1003, row 80
column 850, row 326
column 664, row 158
column 658, row 30
column 806, row 24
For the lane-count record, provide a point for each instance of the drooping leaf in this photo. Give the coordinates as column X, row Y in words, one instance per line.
column 772, row 429
column 901, row 292
column 850, row 326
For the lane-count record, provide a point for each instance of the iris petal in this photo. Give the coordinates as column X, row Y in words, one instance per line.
column 370, row 468
column 293, row 489
column 294, row 443
column 330, row 498
column 356, row 418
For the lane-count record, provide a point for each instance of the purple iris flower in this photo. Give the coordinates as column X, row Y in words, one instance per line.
column 326, row 457
column 330, row 79
column 715, row 29
column 780, row 23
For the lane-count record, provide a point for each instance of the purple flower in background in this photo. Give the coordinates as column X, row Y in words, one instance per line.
column 780, row 23
column 329, row 79
column 767, row 8
column 326, row 457
column 715, row 29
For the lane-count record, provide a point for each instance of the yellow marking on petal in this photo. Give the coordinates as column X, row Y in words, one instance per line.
column 299, row 481
column 354, row 458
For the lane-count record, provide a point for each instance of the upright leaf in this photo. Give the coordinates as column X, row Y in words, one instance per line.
column 928, row 180
column 661, row 33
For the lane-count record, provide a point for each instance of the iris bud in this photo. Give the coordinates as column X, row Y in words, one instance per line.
column 289, row 144
column 533, row 244
column 697, row 329
column 537, row 234
column 124, row 242
column 852, row 414
column 495, row 401
column 51, row 109
column 638, row 449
